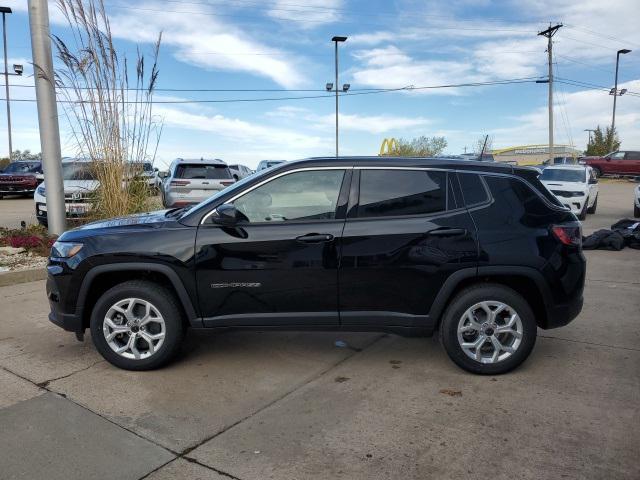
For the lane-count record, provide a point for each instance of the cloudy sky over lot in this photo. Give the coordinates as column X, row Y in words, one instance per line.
column 284, row 45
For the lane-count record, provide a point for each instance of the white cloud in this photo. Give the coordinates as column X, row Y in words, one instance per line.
column 585, row 109
column 390, row 67
column 240, row 131
column 306, row 13
column 374, row 124
column 196, row 37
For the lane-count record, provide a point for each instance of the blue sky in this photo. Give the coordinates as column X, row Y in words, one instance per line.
column 285, row 44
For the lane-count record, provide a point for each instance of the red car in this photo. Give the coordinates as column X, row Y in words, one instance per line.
column 20, row 178
column 619, row 163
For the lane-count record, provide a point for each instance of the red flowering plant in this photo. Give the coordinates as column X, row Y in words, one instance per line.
column 34, row 239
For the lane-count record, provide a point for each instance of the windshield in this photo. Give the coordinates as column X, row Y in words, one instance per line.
column 562, row 175
column 77, row 171
column 21, row 167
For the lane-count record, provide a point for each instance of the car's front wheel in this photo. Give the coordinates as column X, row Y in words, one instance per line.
column 488, row 329
column 594, row 207
column 137, row 325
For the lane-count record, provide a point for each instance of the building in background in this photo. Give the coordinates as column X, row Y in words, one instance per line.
column 533, row 154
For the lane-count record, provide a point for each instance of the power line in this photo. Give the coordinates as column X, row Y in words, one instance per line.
column 306, row 97
column 601, row 35
column 202, row 90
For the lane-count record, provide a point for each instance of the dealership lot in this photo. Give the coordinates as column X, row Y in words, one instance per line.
column 298, row 405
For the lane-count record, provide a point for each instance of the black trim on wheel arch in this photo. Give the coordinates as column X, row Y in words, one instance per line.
column 173, row 277
column 451, row 283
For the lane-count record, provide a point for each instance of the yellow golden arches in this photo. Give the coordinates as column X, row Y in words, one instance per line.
column 389, row 147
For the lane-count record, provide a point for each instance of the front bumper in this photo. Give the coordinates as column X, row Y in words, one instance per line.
column 16, row 190
column 67, row 321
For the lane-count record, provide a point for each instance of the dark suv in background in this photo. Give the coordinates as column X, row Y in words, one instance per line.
column 480, row 252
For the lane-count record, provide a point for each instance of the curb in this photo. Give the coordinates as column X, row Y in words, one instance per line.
column 22, row 276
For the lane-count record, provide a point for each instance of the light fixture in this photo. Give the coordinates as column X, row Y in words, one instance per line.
column 346, row 87
column 623, row 91
column 329, row 87
column 18, row 69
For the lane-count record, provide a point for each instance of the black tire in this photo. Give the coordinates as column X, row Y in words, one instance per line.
column 472, row 296
column 636, row 211
column 593, row 207
column 583, row 213
column 597, row 171
column 167, row 305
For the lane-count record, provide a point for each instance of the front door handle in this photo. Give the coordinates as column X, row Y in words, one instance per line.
column 315, row 238
column 447, row 232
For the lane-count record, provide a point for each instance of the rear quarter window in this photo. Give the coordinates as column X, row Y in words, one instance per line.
column 473, row 189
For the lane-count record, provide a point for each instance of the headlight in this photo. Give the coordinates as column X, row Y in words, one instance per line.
column 41, row 191
column 579, row 194
column 65, row 249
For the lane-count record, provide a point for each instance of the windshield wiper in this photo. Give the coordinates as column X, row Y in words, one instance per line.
column 174, row 212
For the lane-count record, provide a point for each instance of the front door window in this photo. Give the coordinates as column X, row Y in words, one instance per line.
column 307, row 195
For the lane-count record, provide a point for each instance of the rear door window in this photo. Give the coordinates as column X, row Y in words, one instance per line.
column 387, row 193
column 202, row 172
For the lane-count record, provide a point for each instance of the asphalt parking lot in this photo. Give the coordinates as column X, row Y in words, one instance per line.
column 251, row 405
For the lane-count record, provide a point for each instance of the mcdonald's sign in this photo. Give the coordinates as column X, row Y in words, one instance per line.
column 389, row 147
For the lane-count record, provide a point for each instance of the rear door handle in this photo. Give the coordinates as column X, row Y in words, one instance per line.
column 447, row 232
column 315, row 238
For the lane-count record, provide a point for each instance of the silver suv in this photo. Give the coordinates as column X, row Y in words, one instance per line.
column 191, row 181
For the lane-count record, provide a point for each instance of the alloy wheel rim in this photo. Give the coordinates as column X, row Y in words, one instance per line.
column 490, row 332
column 134, row 328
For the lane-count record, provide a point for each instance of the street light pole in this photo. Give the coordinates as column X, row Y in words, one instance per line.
column 4, row 11
column 47, row 114
column 337, row 40
column 615, row 96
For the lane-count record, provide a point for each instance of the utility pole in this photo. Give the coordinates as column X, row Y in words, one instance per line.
column 47, row 114
column 549, row 33
column 589, row 131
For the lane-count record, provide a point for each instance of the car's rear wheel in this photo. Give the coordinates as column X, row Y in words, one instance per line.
column 597, row 171
column 137, row 325
column 488, row 329
column 593, row 207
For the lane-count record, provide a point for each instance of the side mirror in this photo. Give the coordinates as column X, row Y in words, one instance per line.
column 225, row 214
column 593, row 181
column 156, row 169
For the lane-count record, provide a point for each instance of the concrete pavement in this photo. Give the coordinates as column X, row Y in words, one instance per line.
column 294, row 405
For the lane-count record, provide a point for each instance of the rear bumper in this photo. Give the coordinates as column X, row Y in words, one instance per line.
column 561, row 315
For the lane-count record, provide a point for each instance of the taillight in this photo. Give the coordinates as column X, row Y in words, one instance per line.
column 179, row 183
column 226, row 183
column 568, row 235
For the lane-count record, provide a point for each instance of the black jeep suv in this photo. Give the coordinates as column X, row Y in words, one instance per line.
column 481, row 252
